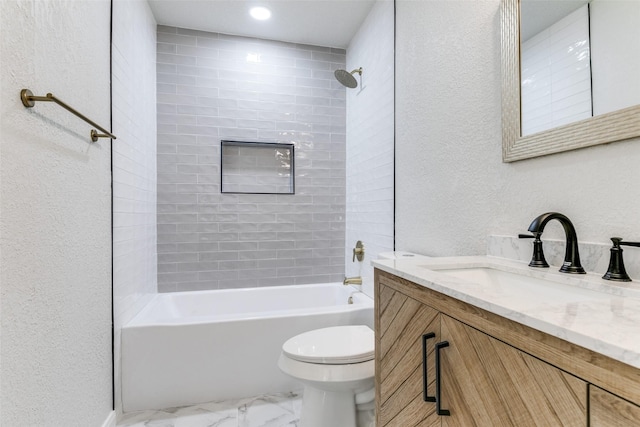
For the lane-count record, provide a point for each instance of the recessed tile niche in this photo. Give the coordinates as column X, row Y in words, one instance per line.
column 257, row 167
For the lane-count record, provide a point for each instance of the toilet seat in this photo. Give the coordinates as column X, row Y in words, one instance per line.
column 318, row 373
column 338, row 345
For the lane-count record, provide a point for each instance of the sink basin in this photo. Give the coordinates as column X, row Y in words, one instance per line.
column 492, row 276
column 506, row 281
column 482, row 276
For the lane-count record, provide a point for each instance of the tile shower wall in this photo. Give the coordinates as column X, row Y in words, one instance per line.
column 134, row 166
column 213, row 87
column 370, row 151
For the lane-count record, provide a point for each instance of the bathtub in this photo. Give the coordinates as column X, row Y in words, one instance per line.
column 193, row 347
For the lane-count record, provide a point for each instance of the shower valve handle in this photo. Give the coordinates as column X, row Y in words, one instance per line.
column 358, row 251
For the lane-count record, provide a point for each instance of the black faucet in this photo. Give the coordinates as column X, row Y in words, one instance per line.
column 571, row 256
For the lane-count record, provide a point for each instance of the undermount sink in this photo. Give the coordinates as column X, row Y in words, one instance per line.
column 488, row 275
column 554, row 285
column 482, row 276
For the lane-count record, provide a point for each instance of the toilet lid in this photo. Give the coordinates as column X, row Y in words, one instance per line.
column 338, row 345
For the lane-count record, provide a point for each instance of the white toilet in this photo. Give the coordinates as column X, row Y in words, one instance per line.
column 336, row 367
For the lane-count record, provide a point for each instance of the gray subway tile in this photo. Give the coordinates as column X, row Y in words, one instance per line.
column 257, row 236
column 166, row 29
column 238, row 283
column 164, row 278
column 238, row 246
column 277, row 244
column 166, row 68
column 187, row 208
column 177, row 139
column 239, row 227
column 295, row 271
column 167, row 268
column 165, row 58
column 256, row 255
column 276, row 263
column 176, row 39
column 218, row 275
column 177, row 257
column 198, row 266
column 258, row 273
column 218, row 256
column 276, row 281
column 216, row 237
column 166, row 287
column 254, row 235
column 195, row 188
column 168, row 218
column 198, row 247
column 196, row 286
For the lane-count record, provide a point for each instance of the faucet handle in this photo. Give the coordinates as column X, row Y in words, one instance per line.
column 358, row 251
column 537, row 259
column 620, row 242
column 616, row 270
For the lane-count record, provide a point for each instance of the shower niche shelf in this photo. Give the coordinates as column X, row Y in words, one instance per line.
column 257, row 167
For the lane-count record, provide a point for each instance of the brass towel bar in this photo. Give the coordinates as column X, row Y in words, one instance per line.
column 29, row 100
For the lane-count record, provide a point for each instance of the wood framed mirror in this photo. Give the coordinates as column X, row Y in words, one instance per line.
column 603, row 128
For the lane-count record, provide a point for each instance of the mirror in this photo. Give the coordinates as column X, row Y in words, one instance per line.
column 591, row 129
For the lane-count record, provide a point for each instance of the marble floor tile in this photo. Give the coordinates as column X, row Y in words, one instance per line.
column 274, row 410
column 268, row 411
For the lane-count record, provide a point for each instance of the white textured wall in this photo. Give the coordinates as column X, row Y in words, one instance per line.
column 55, row 216
column 370, row 142
column 452, row 188
column 134, row 165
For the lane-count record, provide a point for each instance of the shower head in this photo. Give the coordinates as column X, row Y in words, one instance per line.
column 346, row 78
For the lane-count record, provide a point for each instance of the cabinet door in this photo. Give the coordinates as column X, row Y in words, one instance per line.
column 608, row 410
column 401, row 324
column 486, row 382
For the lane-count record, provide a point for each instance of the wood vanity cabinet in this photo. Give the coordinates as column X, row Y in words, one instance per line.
column 401, row 323
column 493, row 372
column 607, row 409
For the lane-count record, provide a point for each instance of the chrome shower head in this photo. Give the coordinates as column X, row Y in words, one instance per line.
column 346, row 78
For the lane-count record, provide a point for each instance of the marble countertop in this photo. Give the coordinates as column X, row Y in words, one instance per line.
column 586, row 310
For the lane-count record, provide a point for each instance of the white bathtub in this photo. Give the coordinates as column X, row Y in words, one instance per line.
column 193, row 347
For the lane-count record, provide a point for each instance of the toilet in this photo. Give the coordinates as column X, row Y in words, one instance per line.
column 336, row 367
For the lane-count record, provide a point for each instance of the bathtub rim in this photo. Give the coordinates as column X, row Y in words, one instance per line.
column 360, row 301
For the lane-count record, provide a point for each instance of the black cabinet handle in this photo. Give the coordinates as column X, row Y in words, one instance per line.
column 426, row 337
column 439, row 410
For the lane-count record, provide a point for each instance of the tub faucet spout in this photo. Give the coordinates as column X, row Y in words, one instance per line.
column 352, row 281
column 571, row 256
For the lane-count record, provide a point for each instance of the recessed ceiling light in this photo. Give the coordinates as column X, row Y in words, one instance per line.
column 260, row 13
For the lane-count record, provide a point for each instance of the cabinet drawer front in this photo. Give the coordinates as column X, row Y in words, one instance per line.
column 608, row 410
column 487, row 382
column 402, row 321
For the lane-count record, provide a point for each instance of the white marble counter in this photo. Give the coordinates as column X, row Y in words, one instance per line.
column 586, row 310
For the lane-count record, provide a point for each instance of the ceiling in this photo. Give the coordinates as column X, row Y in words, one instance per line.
column 331, row 23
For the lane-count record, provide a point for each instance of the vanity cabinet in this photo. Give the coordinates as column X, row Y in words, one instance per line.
column 401, row 323
column 493, row 372
column 486, row 382
column 607, row 409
